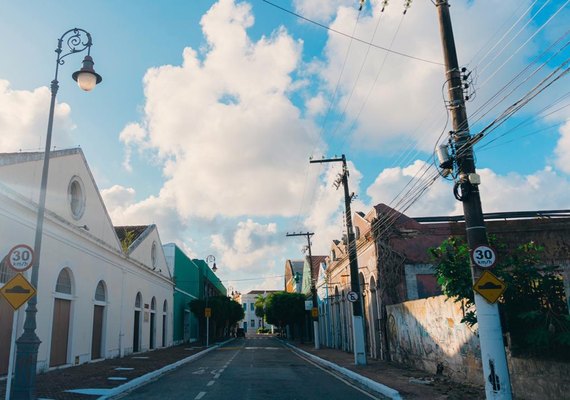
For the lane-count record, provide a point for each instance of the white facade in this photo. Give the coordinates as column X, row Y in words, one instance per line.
column 251, row 322
column 81, row 255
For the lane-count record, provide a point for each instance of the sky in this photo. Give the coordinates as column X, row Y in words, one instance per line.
column 209, row 112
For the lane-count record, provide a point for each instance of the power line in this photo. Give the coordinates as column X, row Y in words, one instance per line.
column 349, row 36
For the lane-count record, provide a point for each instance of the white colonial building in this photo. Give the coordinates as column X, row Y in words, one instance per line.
column 102, row 291
column 251, row 322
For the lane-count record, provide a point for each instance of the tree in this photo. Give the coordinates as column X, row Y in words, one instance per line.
column 282, row 308
column 225, row 314
column 533, row 309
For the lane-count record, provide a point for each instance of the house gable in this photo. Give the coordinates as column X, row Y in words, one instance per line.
column 72, row 193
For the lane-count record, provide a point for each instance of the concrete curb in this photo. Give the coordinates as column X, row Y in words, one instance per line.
column 367, row 382
column 141, row 380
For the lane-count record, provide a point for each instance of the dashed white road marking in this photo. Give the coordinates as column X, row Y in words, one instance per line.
column 211, row 383
column 216, row 376
column 200, row 395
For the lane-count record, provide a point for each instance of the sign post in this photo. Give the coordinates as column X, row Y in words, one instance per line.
column 207, row 314
column 17, row 291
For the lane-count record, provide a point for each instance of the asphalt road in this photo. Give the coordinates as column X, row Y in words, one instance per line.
column 257, row 368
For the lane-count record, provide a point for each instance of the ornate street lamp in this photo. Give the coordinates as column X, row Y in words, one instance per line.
column 76, row 41
column 212, row 259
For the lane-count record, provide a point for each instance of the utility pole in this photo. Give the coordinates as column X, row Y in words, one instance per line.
column 357, row 319
column 493, row 356
column 315, row 310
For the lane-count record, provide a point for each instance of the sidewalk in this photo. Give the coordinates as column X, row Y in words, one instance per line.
column 410, row 383
column 95, row 377
column 105, row 374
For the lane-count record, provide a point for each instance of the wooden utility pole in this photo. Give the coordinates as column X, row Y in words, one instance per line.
column 493, row 356
column 357, row 319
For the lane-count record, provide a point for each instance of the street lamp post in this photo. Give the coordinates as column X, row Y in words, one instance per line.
column 209, row 259
column 77, row 40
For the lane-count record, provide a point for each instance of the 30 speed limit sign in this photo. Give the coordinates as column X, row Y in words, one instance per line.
column 484, row 256
column 20, row 257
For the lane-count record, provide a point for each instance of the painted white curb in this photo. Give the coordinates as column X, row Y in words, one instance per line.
column 369, row 383
column 141, row 380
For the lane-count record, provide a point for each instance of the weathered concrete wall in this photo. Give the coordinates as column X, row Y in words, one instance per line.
column 426, row 333
column 539, row 379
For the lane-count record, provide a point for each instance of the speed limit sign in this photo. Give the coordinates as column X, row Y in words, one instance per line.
column 484, row 256
column 20, row 257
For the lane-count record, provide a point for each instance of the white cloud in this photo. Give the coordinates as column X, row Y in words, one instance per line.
column 402, row 183
column 248, row 247
column 511, row 192
column 321, row 10
column 231, row 140
column 402, row 97
column 562, row 151
column 125, row 210
column 24, row 119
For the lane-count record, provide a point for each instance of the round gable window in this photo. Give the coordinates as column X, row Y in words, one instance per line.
column 76, row 197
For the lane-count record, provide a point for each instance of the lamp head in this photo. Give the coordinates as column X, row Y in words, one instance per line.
column 86, row 77
column 214, row 268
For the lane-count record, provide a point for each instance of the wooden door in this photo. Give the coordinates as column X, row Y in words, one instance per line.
column 60, row 332
column 97, row 336
column 152, row 331
column 6, row 319
column 164, row 331
column 136, row 330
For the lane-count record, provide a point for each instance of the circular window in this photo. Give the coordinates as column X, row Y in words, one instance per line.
column 76, row 196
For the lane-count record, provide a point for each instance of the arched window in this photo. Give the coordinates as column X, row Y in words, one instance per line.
column 165, row 307
column 100, row 292
column 138, row 301
column 63, row 284
column 153, row 304
column 356, row 232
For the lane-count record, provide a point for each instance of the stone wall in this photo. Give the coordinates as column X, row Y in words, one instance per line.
column 427, row 334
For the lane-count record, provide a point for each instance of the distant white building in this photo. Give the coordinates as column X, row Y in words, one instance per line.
column 102, row 292
column 251, row 322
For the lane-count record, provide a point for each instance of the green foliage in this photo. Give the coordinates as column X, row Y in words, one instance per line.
column 533, row 308
column 263, row 330
column 127, row 240
column 282, row 308
column 260, row 306
column 225, row 311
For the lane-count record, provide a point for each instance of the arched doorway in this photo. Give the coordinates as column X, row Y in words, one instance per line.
column 374, row 318
column 164, row 319
column 61, row 316
column 137, row 324
column 98, row 320
column 6, row 318
column 152, row 337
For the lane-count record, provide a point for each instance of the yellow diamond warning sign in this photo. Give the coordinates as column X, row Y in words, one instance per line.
column 17, row 291
column 489, row 287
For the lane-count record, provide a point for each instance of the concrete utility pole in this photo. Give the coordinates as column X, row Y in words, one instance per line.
column 495, row 369
column 315, row 310
column 357, row 319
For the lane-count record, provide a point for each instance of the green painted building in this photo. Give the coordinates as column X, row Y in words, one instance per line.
column 187, row 277
column 193, row 279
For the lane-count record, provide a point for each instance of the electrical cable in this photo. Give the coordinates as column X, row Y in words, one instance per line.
column 351, row 37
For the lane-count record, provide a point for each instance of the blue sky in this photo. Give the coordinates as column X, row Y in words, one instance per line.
column 209, row 111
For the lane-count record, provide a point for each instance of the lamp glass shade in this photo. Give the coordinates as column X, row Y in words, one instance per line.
column 86, row 81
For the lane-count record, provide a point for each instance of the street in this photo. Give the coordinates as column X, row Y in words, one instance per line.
column 251, row 368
